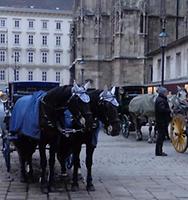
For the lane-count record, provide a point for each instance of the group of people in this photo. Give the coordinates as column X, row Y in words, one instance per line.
column 162, row 117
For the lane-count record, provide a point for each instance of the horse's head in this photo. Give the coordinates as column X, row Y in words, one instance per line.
column 182, row 95
column 79, row 105
column 108, row 108
column 179, row 101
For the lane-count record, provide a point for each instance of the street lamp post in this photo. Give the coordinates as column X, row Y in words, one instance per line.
column 82, row 62
column 163, row 43
column 82, row 76
column 15, row 57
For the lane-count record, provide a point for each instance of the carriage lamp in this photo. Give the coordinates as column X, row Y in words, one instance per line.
column 186, row 87
column 82, row 75
column 82, row 62
column 150, row 90
column 163, row 43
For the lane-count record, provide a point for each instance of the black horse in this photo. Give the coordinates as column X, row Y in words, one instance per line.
column 51, row 109
column 104, row 109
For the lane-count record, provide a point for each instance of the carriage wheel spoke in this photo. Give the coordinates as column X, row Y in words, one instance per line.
column 177, row 133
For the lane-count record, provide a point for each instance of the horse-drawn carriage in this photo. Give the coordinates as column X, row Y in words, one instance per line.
column 178, row 128
column 137, row 109
column 124, row 95
column 143, row 105
column 87, row 110
column 15, row 91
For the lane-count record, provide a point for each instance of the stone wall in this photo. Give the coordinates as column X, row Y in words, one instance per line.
column 115, row 36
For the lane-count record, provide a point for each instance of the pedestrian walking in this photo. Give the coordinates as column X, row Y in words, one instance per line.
column 162, row 116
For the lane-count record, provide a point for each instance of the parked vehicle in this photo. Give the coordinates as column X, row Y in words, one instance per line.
column 124, row 95
column 16, row 90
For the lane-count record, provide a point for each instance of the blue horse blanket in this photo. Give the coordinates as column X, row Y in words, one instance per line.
column 25, row 115
column 68, row 119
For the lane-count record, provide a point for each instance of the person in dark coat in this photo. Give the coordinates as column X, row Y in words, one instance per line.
column 162, row 117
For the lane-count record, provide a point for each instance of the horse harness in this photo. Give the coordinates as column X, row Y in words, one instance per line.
column 107, row 122
column 47, row 110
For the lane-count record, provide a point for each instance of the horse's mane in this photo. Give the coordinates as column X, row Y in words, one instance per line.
column 94, row 94
column 94, row 100
column 58, row 96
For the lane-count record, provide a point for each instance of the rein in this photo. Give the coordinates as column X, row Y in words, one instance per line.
column 46, row 109
column 109, row 122
column 51, row 107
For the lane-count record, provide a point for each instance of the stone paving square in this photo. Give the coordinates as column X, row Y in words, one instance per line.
column 123, row 169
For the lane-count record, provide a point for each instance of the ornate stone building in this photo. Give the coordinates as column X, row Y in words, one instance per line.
column 112, row 39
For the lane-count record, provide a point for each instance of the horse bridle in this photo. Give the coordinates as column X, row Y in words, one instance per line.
column 107, row 122
column 77, row 117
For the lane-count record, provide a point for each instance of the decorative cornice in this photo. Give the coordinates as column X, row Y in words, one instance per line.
column 34, row 10
column 171, row 81
column 17, row 48
column 31, row 49
column 110, row 59
column 171, row 45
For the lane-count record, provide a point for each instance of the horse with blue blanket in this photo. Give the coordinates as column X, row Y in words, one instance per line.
column 104, row 107
column 34, row 119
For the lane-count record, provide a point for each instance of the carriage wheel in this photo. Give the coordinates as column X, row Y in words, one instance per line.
column 177, row 133
column 125, row 126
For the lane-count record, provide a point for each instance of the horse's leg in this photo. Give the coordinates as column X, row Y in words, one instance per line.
column 89, row 161
column 135, row 122
column 138, row 130
column 167, row 135
column 62, row 160
column 155, row 133
column 23, row 176
column 30, row 172
column 52, row 152
column 43, row 164
column 76, row 163
column 30, row 165
column 62, row 153
column 150, row 132
column 29, row 159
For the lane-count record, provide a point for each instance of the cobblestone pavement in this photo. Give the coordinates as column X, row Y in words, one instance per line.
column 123, row 170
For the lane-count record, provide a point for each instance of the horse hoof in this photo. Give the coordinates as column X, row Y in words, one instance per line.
column 31, row 178
column 51, row 189
column 23, row 179
column 74, row 187
column 149, row 140
column 90, row 188
column 139, row 139
column 44, row 189
column 80, row 177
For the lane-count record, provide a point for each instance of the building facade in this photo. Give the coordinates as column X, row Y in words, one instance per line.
column 109, row 52
column 113, row 39
column 175, row 65
column 34, row 44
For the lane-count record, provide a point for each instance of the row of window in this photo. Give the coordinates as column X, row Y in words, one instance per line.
column 31, row 24
column 30, row 76
column 44, row 39
column 30, row 57
column 168, row 66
